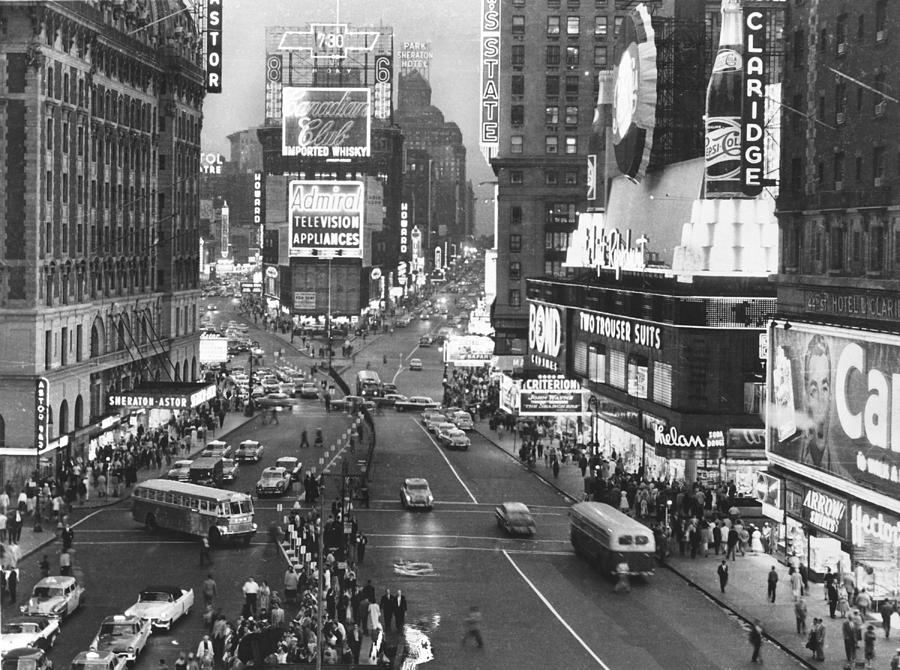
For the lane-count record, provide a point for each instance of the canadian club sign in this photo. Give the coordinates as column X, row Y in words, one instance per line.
column 545, row 335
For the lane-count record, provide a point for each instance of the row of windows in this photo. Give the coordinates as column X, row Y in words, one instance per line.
column 182, row 500
column 572, row 25
column 552, row 83
column 551, row 144
column 556, row 213
column 845, row 171
column 843, row 30
column 822, row 248
column 630, row 373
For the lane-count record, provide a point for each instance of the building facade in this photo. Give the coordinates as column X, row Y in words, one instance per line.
column 100, row 103
column 833, row 430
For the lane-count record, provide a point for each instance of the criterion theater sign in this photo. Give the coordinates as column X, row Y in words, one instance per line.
column 544, row 335
column 326, row 218
column 549, row 395
column 326, row 122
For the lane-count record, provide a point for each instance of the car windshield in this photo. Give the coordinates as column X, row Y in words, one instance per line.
column 47, row 592
column 90, row 665
column 156, row 597
column 20, row 627
column 417, row 486
column 19, row 664
column 117, row 629
column 227, row 462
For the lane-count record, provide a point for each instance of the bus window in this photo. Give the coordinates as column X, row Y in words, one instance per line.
column 626, row 540
column 641, row 539
column 222, row 509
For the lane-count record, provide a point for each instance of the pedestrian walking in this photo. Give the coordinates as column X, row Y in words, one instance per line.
column 291, row 581
column 756, row 640
column 65, row 562
column 733, row 539
column 849, row 632
column 473, row 627
column 895, row 660
column 399, row 610
column 772, row 581
column 869, row 645
column 800, row 616
column 796, row 585
column 387, row 608
column 205, row 558
column 210, row 591
column 831, row 593
column 12, row 584
column 723, row 575
column 68, row 537
column 251, row 591
column 886, row 609
column 622, row 583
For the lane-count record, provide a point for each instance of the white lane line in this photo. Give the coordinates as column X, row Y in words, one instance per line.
column 446, row 460
column 491, row 550
column 410, row 354
column 435, row 536
column 81, row 521
column 555, row 613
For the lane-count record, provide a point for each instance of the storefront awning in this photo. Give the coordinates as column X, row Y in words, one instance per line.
column 165, row 395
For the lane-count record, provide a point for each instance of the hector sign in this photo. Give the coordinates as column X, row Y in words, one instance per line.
column 326, row 218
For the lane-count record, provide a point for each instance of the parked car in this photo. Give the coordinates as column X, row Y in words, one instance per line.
column 431, row 419
column 515, row 518
column 122, row 635
column 415, row 364
column 309, row 390
column 162, row 605
column 28, row 631
column 98, row 660
column 454, row 438
column 273, row 481
column 229, row 469
column 292, row 465
column 462, row 419
column 415, row 493
column 249, row 450
column 218, row 448
column 56, row 596
column 180, row 470
column 389, row 387
column 416, row 403
column 438, row 426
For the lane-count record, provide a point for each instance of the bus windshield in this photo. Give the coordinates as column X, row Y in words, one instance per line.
column 241, row 507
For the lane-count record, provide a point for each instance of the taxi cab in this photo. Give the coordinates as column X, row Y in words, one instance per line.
column 122, row 635
column 56, row 596
column 98, row 660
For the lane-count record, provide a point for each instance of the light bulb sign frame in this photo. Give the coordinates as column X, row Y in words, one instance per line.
column 326, row 218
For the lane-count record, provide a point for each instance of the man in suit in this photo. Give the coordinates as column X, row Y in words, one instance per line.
column 723, row 574
column 387, row 608
column 399, row 609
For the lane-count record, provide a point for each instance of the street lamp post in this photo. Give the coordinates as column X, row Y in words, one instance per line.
column 328, row 316
column 592, row 406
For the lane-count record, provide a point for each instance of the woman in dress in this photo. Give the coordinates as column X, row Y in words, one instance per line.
column 262, row 599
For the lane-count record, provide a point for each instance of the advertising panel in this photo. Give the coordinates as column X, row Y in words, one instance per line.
column 546, row 338
column 551, row 395
column 326, row 122
column 384, row 93
column 509, row 394
column 41, row 413
column 326, row 218
column 415, row 56
column 164, row 395
column 342, row 282
column 214, row 46
column 768, row 492
column 468, row 350
column 489, row 135
column 213, row 349
column 835, row 397
column 305, row 300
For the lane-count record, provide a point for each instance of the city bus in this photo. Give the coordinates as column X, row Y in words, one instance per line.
column 607, row 537
column 368, row 384
column 197, row 510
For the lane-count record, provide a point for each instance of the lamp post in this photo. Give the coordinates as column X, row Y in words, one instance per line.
column 328, row 317
column 592, row 407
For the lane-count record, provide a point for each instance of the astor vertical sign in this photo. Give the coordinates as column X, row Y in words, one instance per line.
column 41, row 413
column 214, row 47
column 489, row 138
column 753, row 121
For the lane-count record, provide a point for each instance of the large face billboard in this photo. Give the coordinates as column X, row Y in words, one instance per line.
column 326, row 122
column 835, row 404
column 326, row 218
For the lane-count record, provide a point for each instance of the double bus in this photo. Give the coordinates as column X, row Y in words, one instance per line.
column 196, row 510
column 607, row 537
column 368, row 384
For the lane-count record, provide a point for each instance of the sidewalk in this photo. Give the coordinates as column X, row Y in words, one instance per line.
column 745, row 594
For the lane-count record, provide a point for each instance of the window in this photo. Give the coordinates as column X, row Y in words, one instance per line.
column 571, row 144
column 601, row 56
column 515, row 271
column 572, row 56
column 552, row 85
column 65, row 187
column 515, row 297
column 551, row 177
column 79, row 341
column 556, row 241
column 838, row 169
column 571, row 84
column 48, row 143
column 877, row 243
column 515, row 177
column 638, row 376
column 515, row 215
column 597, row 363
column 662, row 383
column 561, row 213
column 571, row 178
column 880, row 19
column 552, row 52
column 551, row 115
column 515, row 242
column 48, row 185
column 861, row 27
column 878, row 164
column 551, row 144
column 517, row 84
column 80, row 193
column 553, row 26
column 48, row 338
column 81, row 140
column 798, row 49
column 515, row 144
column 617, row 368
column 518, row 24
column 65, row 137
column 859, row 168
column 857, row 245
column 837, row 248
column 571, row 115
column 517, row 55
column 840, row 103
column 64, row 346
column 601, row 26
column 517, row 114
column 573, row 26
column 840, row 34
column 618, row 21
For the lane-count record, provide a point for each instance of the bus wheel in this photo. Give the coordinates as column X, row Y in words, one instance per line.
column 151, row 523
column 247, row 539
column 215, row 538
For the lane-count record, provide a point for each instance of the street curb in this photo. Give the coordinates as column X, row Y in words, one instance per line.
column 790, row 652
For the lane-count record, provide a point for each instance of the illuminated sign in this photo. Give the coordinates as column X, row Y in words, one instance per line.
column 158, row 399
column 593, row 245
column 251, row 287
column 328, row 40
column 326, row 218
column 624, row 330
column 673, row 438
column 592, row 177
column 869, row 527
column 468, row 350
column 272, row 272
column 214, row 46
column 384, row 78
column 305, row 300
column 326, row 122
column 509, row 394
column 753, row 123
column 549, row 395
column 544, row 335
column 415, row 56
column 489, row 138
column 259, row 199
column 824, row 511
column 41, row 413
column 404, row 228
column 768, row 492
column 213, row 349
column 211, row 163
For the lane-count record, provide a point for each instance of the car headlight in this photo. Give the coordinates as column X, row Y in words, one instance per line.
column 59, row 607
column 430, row 498
column 131, row 649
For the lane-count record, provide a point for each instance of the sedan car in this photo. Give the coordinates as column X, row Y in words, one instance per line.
column 415, row 493
column 123, row 635
column 229, row 469
column 54, row 596
column 309, row 390
column 443, row 425
column 515, row 518
column 271, row 384
column 28, row 631
column 292, row 465
column 389, row 387
column 463, row 420
column 249, row 450
column 27, row 658
column 97, row 660
column 415, row 364
column 180, row 470
column 391, row 399
column 278, row 399
column 273, row 481
column 454, row 438
column 431, row 419
column 217, row 449
column 162, row 605
column 426, row 341
column 416, row 403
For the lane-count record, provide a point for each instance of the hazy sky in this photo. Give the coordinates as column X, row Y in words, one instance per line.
column 451, row 27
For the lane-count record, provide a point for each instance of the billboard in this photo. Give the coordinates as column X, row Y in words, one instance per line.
column 326, row 218
column 835, row 405
column 213, row 349
column 509, row 394
column 468, row 350
column 551, row 395
column 546, row 338
column 315, row 286
column 326, row 122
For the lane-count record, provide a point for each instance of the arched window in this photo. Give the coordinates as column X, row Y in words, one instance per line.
column 194, row 369
column 79, row 412
column 97, row 339
column 177, row 372
column 63, row 418
column 2, row 431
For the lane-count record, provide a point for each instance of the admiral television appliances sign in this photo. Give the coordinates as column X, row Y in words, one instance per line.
column 326, row 122
column 326, row 218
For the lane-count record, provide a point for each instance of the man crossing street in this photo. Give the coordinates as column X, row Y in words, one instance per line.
column 723, row 575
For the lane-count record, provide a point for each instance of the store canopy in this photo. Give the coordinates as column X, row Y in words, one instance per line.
column 165, row 395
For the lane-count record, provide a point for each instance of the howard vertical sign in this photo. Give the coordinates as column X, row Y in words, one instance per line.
column 753, row 109
column 41, row 413
column 214, row 46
